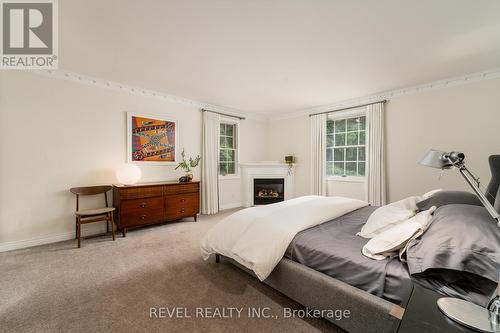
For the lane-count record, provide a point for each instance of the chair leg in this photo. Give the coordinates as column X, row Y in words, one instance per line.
column 112, row 225
column 78, row 230
column 107, row 225
column 76, row 227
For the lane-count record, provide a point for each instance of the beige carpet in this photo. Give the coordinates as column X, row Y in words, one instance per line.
column 111, row 286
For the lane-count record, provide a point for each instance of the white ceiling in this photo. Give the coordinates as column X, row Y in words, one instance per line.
column 272, row 56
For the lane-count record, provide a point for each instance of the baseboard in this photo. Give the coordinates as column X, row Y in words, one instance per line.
column 230, row 205
column 87, row 230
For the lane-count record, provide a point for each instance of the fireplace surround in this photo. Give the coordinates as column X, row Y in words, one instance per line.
column 266, row 171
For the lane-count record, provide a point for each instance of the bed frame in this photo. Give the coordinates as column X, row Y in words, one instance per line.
column 369, row 313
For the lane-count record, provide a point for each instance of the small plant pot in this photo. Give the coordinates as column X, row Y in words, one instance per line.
column 289, row 159
column 189, row 176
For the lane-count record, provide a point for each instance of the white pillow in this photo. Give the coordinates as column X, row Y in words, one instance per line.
column 397, row 237
column 410, row 203
column 385, row 217
column 429, row 194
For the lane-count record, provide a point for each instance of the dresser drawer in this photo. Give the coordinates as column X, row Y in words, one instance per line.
column 142, row 205
column 181, row 205
column 141, row 192
column 182, row 188
column 141, row 211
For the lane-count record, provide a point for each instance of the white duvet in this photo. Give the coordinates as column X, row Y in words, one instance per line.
column 258, row 237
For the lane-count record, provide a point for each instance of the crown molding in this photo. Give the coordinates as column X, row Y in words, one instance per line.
column 143, row 92
column 397, row 93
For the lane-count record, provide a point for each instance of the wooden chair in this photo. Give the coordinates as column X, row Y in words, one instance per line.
column 93, row 215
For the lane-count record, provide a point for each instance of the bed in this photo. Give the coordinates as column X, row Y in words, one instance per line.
column 323, row 269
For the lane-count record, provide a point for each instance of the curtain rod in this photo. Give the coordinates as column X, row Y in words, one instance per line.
column 348, row 108
column 224, row 114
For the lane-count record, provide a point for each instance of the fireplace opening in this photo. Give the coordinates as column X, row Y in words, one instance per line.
column 268, row 190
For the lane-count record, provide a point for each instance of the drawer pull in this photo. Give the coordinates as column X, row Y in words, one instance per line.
column 183, row 200
column 142, row 205
column 143, row 217
column 183, row 210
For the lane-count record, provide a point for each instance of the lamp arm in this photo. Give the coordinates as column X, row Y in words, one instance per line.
column 475, row 177
column 472, row 181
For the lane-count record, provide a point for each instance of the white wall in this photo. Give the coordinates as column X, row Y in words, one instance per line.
column 56, row 134
column 462, row 118
column 349, row 189
column 291, row 136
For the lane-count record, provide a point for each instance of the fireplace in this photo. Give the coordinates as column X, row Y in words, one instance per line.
column 268, row 190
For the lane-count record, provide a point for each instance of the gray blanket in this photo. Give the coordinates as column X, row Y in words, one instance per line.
column 334, row 249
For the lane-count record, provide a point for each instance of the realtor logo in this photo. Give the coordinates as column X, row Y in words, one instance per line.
column 29, row 34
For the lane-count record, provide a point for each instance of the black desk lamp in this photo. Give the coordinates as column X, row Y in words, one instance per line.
column 461, row 311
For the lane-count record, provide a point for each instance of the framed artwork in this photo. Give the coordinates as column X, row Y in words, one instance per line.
column 151, row 139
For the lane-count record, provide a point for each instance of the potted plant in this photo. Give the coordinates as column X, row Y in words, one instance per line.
column 187, row 165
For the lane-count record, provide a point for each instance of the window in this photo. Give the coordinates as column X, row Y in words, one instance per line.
column 346, row 146
column 228, row 149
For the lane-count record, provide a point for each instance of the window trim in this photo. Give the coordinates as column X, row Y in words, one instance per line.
column 347, row 179
column 236, row 175
column 343, row 115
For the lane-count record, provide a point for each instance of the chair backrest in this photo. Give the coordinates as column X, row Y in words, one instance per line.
column 493, row 188
column 90, row 190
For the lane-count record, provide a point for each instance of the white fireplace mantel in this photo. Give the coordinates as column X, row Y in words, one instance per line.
column 250, row 171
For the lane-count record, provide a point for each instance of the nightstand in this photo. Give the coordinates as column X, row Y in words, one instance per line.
column 423, row 315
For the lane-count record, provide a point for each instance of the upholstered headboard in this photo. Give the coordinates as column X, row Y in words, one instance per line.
column 493, row 188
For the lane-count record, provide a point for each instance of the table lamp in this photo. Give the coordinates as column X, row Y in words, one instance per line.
column 464, row 312
column 128, row 174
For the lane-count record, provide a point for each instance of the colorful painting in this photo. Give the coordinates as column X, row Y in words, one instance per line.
column 151, row 139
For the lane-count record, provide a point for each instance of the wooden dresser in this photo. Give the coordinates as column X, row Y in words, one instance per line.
column 150, row 203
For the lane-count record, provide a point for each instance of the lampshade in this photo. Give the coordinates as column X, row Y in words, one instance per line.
column 129, row 174
column 435, row 159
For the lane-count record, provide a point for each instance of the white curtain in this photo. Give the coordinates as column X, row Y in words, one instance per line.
column 318, row 154
column 210, row 164
column 376, row 155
